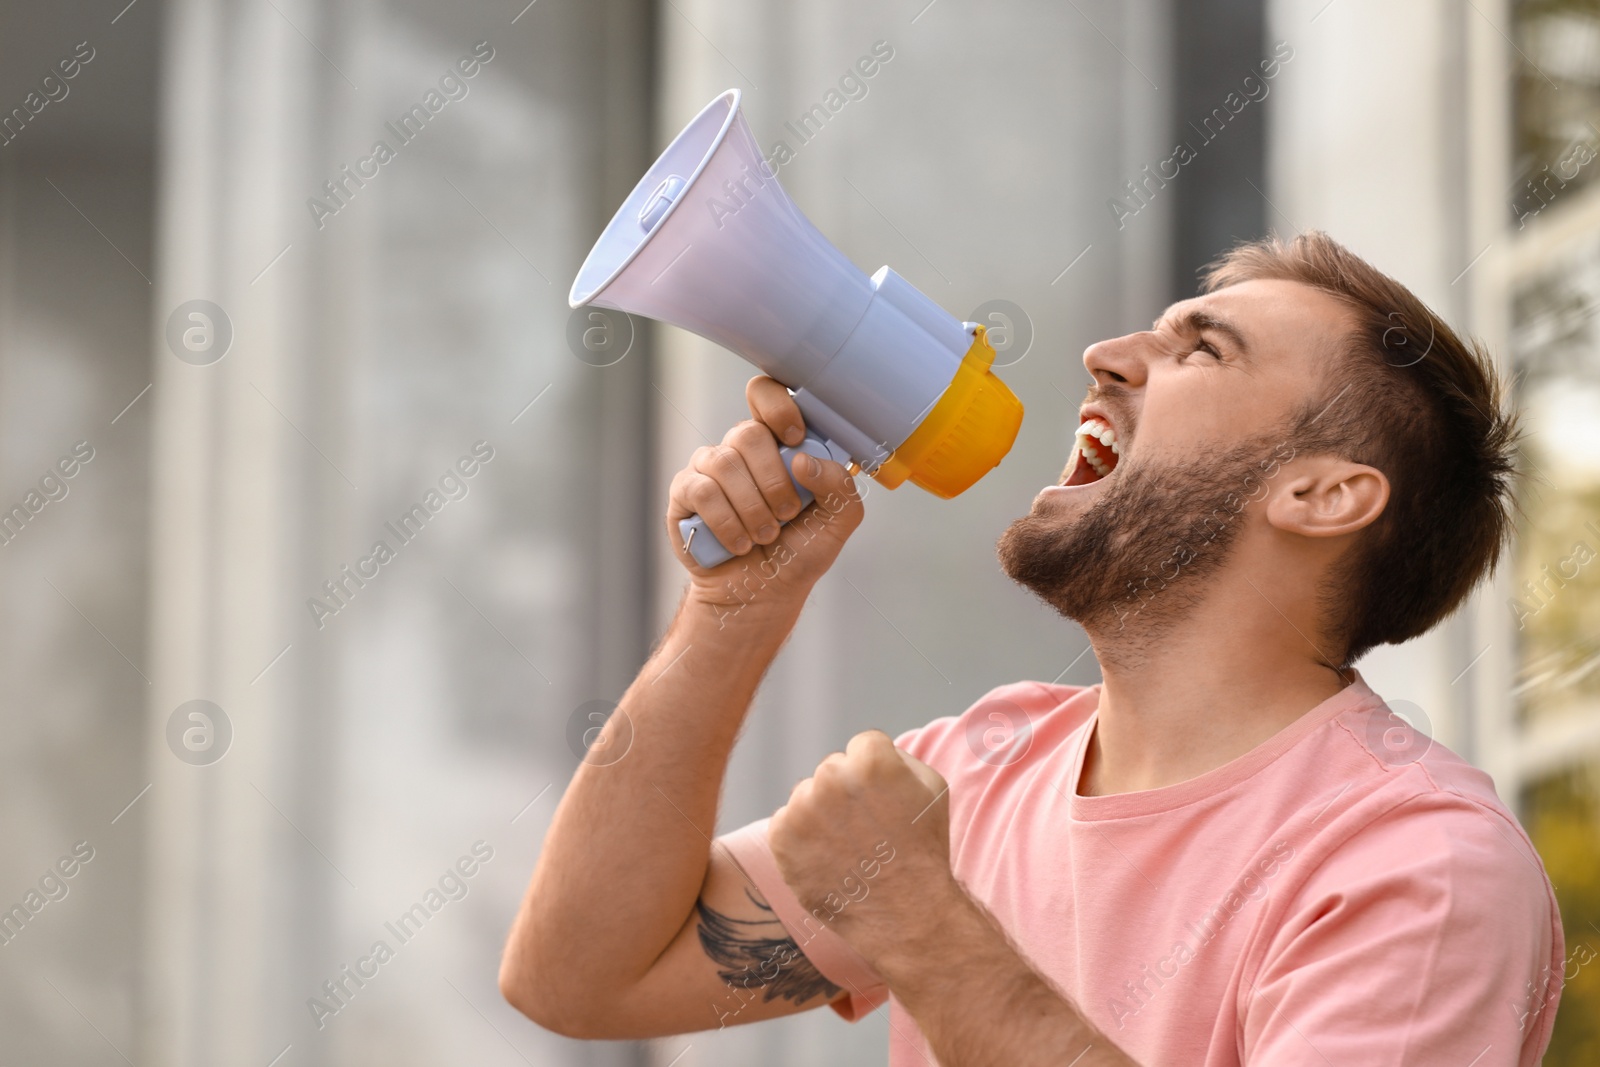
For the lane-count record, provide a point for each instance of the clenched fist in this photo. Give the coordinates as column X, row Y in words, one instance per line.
column 866, row 841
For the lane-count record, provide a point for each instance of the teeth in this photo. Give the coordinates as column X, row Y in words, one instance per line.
column 1094, row 429
column 1100, row 431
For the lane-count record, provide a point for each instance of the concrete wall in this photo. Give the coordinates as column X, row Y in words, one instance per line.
column 77, row 183
column 230, row 879
column 1390, row 134
column 978, row 165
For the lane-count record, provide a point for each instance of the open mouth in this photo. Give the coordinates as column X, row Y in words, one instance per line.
column 1095, row 453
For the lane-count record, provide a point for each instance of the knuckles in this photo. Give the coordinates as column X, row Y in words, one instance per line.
column 748, row 435
column 834, row 776
column 701, row 491
column 874, row 750
column 724, row 460
column 799, row 804
column 737, row 489
column 869, row 761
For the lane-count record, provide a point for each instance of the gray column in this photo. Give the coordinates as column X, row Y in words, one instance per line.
column 245, row 468
column 978, row 165
column 1381, row 120
column 393, row 717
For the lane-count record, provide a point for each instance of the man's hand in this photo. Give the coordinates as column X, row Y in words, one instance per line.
column 867, row 840
column 977, row 1000
column 742, row 490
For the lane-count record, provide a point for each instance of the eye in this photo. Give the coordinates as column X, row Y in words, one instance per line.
column 1202, row 345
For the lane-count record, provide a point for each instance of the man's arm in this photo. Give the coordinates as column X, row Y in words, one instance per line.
column 632, row 923
column 974, row 995
column 978, row 1000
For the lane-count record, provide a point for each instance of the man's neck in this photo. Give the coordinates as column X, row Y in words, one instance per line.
column 1184, row 698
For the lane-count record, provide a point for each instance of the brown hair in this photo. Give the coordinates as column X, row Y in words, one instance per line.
column 1405, row 394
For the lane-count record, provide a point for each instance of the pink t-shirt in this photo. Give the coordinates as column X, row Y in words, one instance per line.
column 1345, row 893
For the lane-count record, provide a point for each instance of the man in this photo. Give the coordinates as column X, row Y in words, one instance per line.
column 1227, row 852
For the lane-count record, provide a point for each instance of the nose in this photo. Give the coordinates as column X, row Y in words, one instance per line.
column 1122, row 360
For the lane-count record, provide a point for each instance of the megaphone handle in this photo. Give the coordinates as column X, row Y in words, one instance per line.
column 702, row 544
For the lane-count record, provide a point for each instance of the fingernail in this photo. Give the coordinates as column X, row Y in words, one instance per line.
column 788, row 511
column 810, row 465
column 794, row 434
column 741, row 546
column 766, row 533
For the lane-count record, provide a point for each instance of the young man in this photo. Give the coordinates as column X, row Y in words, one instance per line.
column 1227, row 852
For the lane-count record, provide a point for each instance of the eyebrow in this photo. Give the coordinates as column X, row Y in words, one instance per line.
column 1197, row 320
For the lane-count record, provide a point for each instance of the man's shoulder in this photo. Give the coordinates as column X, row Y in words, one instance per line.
column 1003, row 727
column 1427, row 820
column 1412, row 901
column 1039, row 699
column 1402, row 783
column 1416, row 819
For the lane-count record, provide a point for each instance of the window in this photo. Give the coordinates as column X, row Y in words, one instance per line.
column 1554, row 606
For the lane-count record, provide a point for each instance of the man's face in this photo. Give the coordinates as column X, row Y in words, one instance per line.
column 1198, row 409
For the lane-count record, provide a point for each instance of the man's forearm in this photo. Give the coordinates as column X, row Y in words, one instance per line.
column 978, row 1000
column 626, row 854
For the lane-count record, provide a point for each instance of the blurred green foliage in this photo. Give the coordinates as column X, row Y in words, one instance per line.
column 1557, row 603
column 1562, row 815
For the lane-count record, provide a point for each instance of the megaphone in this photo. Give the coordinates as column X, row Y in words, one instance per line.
column 887, row 381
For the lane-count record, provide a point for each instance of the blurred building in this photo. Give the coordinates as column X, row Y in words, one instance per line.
column 259, row 344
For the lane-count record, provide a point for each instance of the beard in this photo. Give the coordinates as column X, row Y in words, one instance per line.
column 1142, row 553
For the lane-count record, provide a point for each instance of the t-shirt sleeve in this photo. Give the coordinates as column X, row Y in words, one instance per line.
column 1431, row 943
column 997, row 730
column 829, row 953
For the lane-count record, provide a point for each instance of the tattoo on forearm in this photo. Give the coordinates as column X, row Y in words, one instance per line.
column 749, row 956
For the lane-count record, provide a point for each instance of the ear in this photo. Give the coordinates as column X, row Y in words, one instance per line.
column 1328, row 497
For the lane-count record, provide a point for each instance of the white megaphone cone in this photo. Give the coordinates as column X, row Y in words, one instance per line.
column 885, row 379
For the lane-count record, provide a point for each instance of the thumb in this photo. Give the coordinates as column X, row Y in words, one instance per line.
column 834, row 488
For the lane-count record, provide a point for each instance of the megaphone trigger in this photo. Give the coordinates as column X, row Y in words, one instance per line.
column 702, row 544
